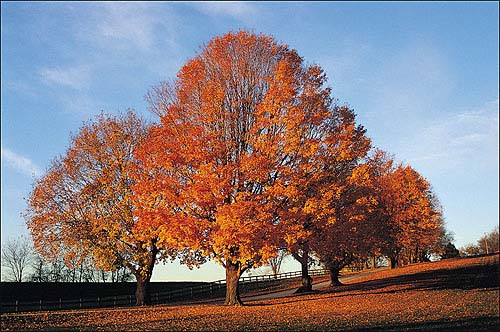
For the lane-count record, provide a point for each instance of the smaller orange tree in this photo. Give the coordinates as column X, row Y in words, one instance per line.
column 82, row 206
column 420, row 218
column 353, row 230
column 410, row 209
column 323, row 186
column 382, row 209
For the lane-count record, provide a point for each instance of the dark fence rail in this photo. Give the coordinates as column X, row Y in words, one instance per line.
column 204, row 291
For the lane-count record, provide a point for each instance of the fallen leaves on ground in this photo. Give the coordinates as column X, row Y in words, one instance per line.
column 422, row 296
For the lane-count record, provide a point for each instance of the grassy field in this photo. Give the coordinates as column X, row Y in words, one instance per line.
column 452, row 295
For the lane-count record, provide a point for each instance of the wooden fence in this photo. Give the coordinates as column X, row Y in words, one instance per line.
column 205, row 291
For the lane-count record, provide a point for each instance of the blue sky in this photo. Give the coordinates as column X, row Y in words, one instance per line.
column 422, row 77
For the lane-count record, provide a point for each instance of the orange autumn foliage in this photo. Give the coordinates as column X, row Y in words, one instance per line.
column 82, row 205
column 246, row 129
column 354, row 230
column 384, row 209
column 410, row 207
column 325, row 184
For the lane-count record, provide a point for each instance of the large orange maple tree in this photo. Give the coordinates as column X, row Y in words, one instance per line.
column 82, row 206
column 244, row 128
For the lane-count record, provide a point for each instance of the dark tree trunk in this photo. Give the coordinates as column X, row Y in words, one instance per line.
column 304, row 260
column 142, row 296
column 306, row 279
column 334, row 277
column 142, row 292
column 233, row 273
column 393, row 262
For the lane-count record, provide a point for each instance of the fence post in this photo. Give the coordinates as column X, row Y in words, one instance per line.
column 60, row 304
column 99, row 301
column 17, row 305
column 114, row 302
column 80, row 303
column 157, row 301
column 130, row 299
column 40, row 305
column 191, row 291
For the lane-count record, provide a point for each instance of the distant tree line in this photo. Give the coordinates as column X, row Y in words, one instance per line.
column 21, row 262
column 487, row 244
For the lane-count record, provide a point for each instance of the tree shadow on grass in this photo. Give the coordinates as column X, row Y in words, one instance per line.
column 479, row 277
column 483, row 323
column 468, row 278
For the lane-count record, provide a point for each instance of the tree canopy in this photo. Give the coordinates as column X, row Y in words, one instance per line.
column 82, row 206
column 248, row 136
column 252, row 156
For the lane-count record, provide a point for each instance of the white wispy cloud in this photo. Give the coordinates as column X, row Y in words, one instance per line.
column 130, row 34
column 411, row 115
column 126, row 24
column 459, row 138
column 235, row 10
column 20, row 86
column 82, row 104
column 20, row 163
column 77, row 77
column 130, row 26
column 408, row 92
column 414, row 80
column 112, row 37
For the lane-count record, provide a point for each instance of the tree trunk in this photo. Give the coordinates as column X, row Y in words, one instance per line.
column 233, row 273
column 142, row 291
column 393, row 262
column 306, row 279
column 334, row 277
column 304, row 260
column 142, row 296
column 373, row 262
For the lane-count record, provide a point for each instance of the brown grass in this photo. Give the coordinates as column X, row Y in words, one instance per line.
column 458, row 295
